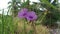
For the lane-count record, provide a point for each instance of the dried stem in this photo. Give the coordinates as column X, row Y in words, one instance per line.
column 34, row 27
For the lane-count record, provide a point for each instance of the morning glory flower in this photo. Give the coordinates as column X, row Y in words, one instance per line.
column 31, row 15
column 22, row 13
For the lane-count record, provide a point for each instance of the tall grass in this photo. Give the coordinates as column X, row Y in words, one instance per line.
column 10, row 25
column 7, row 25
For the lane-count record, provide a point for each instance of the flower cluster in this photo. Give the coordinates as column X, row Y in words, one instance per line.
column 29, row 15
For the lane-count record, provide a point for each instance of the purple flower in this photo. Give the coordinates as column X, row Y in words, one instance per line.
column 22, row 13
column 31, row 15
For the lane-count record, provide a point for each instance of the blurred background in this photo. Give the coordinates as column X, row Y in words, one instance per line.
column 47, row 11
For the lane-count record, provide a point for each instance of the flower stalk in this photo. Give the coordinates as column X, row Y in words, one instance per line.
column 33, row 27
column 25, row 32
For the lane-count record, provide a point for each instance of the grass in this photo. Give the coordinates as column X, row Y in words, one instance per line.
column 6, row 25
column 15, row 26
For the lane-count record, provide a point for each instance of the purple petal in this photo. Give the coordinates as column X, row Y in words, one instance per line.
column 22, row 13
column 31, row 15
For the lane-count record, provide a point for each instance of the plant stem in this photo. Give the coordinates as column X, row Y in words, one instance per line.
column 2, row 22
column 25, row 32
column 34, row 27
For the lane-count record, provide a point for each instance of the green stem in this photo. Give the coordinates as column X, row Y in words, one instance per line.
column 25, row 32
column 45, row 13
column 2, row 22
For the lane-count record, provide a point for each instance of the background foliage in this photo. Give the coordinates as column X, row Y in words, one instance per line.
column 48, row 16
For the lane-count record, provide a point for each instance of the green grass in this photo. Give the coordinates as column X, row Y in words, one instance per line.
column 10, row 25
column 6, row 25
